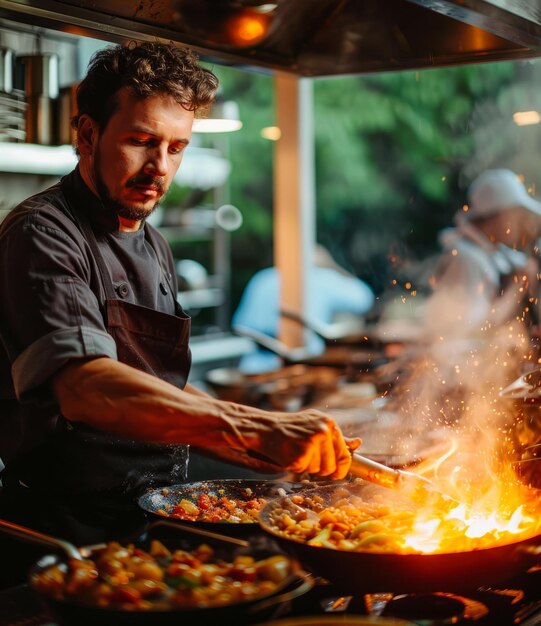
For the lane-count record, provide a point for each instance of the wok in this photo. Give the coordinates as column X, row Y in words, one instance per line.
column 157, row 499
column 371, row 572
column 70, row 612
column 335, row 334
column 288, row 387
column 349, row 361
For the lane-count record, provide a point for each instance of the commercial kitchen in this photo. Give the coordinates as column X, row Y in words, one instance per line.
column 438, row 520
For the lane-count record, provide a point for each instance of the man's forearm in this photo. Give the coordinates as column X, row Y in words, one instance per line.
column 117, row 398
column 124, row 401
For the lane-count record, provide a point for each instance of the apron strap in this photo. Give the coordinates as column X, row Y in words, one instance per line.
column 104, row 272
column 165, row 276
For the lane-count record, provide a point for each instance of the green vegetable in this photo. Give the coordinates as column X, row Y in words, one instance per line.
column 369, row 526
column 182, row 581
column 376, row 539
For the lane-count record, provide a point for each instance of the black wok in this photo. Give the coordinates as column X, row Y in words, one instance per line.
column 243, row 489
column 349, row 362
column 371, row 572
column 71, row 612
column 284, row 389
column 335, row 334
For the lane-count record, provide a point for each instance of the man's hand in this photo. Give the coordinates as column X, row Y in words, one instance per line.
column 308, row 441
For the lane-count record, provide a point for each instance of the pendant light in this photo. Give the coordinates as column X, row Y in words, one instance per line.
column 223, row 117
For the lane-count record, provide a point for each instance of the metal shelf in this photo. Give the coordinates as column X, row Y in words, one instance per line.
column 29, row 158
column 202, row 168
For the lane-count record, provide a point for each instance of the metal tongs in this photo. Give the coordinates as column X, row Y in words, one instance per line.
column 29, row 535
column 384, row 476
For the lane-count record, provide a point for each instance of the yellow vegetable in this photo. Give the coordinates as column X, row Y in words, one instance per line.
column 370, row 526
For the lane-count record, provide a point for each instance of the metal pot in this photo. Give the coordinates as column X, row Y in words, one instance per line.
column 7, row 64
column 41, row 85
column 371, row 572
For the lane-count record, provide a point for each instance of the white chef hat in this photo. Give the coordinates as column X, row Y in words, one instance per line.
column 495, row 191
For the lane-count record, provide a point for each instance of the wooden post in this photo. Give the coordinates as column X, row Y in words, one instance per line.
column 294, row 197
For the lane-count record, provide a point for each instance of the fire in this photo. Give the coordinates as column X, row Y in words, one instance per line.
column 461, row 529
column 479, row 526
column 498, row 511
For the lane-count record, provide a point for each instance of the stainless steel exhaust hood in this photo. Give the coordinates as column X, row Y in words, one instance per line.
column 307, row 37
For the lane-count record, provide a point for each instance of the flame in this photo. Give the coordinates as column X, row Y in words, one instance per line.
column 498, row 511
column 453, row 386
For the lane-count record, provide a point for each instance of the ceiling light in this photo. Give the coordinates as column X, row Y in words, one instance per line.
column 223, row 117
column 246, row 28
column 272, row 133
column 526, row 118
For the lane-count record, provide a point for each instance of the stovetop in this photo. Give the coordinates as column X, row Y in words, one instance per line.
column 517, row 604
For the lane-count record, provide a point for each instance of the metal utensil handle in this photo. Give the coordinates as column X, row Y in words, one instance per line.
column 33, row 536
column 178, row 526
column 374, row 472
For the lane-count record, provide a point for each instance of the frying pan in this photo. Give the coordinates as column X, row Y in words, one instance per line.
column 347, row 360
column 334, row 334
column 70, row 612
column 156, row 499
column 371, row 572
column 296, row 384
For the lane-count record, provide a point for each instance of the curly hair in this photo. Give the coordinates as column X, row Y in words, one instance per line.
column 147, row 69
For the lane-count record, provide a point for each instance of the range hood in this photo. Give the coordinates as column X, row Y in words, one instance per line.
column 307, row 37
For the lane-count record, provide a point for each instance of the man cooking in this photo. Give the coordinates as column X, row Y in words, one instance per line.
column 477, row 323
column 487, row 269
column 94, row 357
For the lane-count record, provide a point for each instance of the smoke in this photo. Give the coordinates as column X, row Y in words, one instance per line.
column 452, row 387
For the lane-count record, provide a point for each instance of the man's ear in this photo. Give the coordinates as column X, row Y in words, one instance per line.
column 87, row 135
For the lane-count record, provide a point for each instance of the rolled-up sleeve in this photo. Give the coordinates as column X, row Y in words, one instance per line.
column 49, row 313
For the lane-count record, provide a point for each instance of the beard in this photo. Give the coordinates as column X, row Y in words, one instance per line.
column 118, row 208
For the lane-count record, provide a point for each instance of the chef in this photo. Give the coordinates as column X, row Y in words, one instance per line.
column 487, row 269
column 94, row 357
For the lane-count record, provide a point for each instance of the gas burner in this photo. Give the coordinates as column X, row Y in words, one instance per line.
column 512, row 596
column 436, row 609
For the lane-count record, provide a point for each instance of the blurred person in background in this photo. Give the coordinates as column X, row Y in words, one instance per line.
column 487, row 273
column 475, row 329
column 333, row 293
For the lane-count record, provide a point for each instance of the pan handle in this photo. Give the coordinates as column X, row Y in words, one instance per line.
column 277, row 347
column 374, row 472
column 33, row 536
column 179, row 527
column 306, row 583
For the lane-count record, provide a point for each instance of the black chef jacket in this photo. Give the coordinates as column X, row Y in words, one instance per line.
column 51, row 311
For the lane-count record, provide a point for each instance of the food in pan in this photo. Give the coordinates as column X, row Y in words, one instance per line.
column 215, row 507
column 379, row 524
column 130, row 578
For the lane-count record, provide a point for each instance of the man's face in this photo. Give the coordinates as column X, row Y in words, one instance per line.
column 139, row 152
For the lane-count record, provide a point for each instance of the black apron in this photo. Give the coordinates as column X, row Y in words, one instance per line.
column 92, row 478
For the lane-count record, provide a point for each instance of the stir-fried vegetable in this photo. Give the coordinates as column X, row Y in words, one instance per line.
column 127, row 577
column 209, row 507
column 347, row 522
